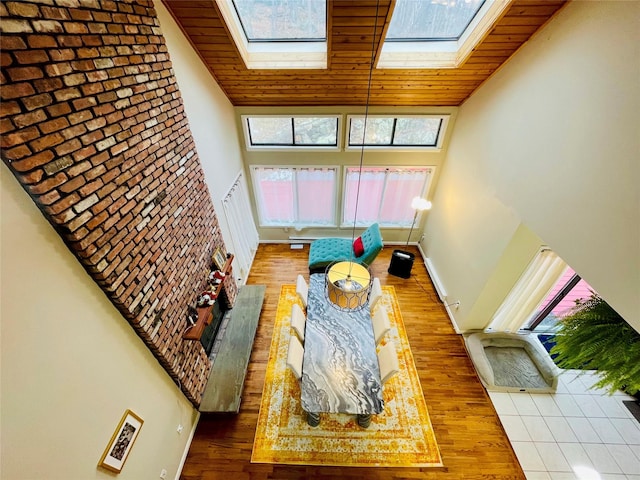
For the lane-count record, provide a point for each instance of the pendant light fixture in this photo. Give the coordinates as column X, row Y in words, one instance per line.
column 348, row 283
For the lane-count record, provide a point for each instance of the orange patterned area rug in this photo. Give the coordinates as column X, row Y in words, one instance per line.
column 401, row 436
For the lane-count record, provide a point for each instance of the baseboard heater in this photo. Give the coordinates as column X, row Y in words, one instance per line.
column 442, row 294
column 311, row 239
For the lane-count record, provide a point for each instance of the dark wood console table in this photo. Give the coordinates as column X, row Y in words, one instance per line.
column 204, row 313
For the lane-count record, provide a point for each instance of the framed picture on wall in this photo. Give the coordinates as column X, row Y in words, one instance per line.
column 121, row 442
column 219, row 259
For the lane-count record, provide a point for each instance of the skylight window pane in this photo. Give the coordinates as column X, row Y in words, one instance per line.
column 316, row 131
column 282, row 20
column 417, row 131
column 270, row 131
column 379, row 131
column 435, row 20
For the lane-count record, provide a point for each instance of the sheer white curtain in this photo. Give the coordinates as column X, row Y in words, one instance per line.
column 275, row 194
column 368, row 197
column 385, row 194
column 290, row 196
column 315, row 193
column 529, row 292
column 401, row 186
column 244, row 235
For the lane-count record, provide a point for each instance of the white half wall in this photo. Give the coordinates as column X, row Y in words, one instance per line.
column 210, row 113
column 71, row 364
column 552, row 140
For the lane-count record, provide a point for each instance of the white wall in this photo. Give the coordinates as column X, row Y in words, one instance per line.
column 552, row 141
column 210, row 113
column 522, row 248
column 71, row 364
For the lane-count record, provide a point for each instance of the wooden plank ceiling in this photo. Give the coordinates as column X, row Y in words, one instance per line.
column 344, row 82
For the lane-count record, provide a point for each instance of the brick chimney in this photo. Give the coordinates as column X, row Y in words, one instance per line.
column 93, row 127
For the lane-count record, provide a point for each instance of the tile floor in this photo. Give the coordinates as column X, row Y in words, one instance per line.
column 576, row 433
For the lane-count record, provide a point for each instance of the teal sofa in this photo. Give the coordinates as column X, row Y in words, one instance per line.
column 325, row 251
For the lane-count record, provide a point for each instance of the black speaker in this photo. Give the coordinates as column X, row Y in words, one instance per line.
column 401, row 263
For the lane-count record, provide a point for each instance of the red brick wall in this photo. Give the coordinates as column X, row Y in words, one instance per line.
column 94, row 128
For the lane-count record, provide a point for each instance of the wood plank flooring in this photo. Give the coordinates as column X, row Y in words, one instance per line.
column 472, row 441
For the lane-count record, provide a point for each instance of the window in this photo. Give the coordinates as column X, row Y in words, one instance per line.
column 285, row 131
column 282, row 20
column 384, row 196
column 565, row 294
column 278, row 33
column 295, row 196
column 437, row 33
column 410, row 132
column 528, row 292
column 433, row 21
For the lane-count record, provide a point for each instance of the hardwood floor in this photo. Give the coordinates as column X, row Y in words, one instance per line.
column 472, row 441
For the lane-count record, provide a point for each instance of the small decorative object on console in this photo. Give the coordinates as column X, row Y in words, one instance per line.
column 216, row 277
column 192, row 315
column 206, row 299
column 219, row 259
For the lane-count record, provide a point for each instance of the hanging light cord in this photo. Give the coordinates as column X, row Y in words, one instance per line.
column 364, row 131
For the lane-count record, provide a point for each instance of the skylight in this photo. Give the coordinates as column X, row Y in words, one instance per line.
column 437, row 20
column 437, row 33
column 282, row 20
column 278, row 33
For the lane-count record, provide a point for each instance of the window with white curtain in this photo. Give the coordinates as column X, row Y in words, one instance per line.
column 383, row 195
column 295, row 196
column 529, row 292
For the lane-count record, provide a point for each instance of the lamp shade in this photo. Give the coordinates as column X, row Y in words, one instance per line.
column 420, row 204
column 348, row 285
